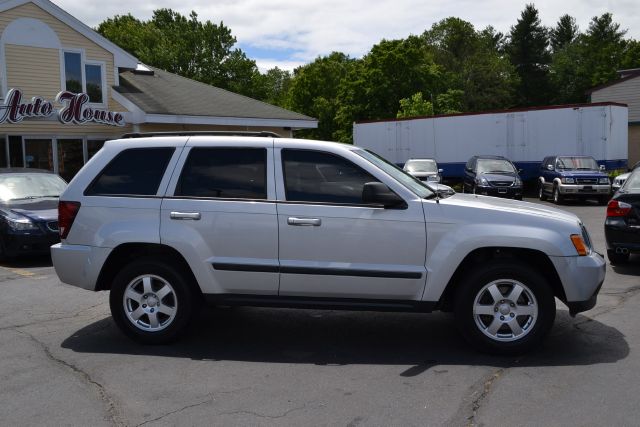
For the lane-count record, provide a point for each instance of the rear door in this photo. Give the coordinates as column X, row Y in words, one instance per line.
column 220, row 213
column 331, row 244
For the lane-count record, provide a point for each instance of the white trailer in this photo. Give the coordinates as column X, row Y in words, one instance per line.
column 524, row 136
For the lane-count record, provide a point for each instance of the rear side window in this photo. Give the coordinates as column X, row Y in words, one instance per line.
column 233, row 173
column 312, row 176
column 133, row 172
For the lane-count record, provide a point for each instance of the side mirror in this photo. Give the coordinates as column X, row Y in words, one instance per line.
column 550, row 167
column 377, row 193
column 602, row 168
column 519, row 171
column 440, row 170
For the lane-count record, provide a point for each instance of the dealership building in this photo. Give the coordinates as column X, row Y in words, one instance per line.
column 65, row 89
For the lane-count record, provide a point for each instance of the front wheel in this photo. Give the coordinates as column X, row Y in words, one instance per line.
column 152, row 301
column 541, row 194
column 557, row 197
column 504, row 308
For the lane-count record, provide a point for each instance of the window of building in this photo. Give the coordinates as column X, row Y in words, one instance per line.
column 93, row 146
column 16, row 159
column 38, row 154
column 236, row 173
column 93, row 73
column 312, row 176
column 84, row 76
column 3, row 152
column 70, row 157
column 133, row 172
column 73, row 71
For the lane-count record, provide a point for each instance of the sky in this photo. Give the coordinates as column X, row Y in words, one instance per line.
column 289, row 33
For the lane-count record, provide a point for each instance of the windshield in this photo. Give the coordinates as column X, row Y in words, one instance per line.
column 425, row 165
column 577, row 163
column 398, row 174
column 495, row 166
column 22, row 186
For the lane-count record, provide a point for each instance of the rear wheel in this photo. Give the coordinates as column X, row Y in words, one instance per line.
column 616, row 258
column 152, row 302
column 504, row 308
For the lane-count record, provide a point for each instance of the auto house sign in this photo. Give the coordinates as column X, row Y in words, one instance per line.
column 75, row 109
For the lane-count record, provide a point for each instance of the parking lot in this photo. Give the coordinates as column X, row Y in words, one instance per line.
column 63, row 362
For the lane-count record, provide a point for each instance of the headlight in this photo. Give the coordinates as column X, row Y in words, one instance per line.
column 518, row 182
column 21, row 224
column 482, row 181
column 603, row 180
column 568, row 181
column 433, row 178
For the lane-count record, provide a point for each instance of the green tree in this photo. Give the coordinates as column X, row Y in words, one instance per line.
column 528, row 52
column 564, row 33
column 314, row 92
column 203, row 51
column 414, row 106
column 450, row 102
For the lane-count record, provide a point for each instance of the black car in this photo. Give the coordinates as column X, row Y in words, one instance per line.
column 28, row 211
column 492, row 176
column 622, row 226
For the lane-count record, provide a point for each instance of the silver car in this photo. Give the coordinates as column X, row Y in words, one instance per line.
column 424, row 169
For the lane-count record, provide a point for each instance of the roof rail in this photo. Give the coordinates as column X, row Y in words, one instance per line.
column 264, row 134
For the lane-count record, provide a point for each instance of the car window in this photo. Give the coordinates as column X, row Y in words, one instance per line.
column 577, row 163
column 495, row 166
column 21, row 186
column 235, row 173
column 633, row 182
column 312, row 176
column 133, row 172
column 422, row 165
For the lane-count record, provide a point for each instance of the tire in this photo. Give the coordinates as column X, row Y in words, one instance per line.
column 557, row 197
column 602, row 201
column 478, row 313
column 541, row 194
column 170, row 300
column 617, row 259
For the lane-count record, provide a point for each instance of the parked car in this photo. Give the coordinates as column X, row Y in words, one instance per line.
column 492, row 176
column 165, row 223
column 28, row 211
column 579, row 177
column 622, row 226
column 424, row 169
column 619, row 180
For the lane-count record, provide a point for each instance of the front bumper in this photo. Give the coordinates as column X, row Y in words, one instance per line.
column 585, row 190
column 16, row 244
column 79, row 265
column 581, row 277
column 507, row 192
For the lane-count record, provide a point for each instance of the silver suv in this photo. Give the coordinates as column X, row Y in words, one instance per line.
column 167, row 222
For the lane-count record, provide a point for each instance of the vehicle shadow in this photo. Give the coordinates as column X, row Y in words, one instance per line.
column 347, row 338
column 631, row 268
column 27, row 262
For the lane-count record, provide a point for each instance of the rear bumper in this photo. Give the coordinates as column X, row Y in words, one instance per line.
column 581, row 277
column 78, row 265
column 619, row 235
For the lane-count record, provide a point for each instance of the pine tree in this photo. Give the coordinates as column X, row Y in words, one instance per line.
column 565, row 32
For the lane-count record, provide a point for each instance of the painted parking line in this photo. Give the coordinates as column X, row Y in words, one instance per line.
column 19, row 271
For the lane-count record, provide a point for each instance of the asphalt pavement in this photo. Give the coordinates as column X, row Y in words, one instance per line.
column 63, row 362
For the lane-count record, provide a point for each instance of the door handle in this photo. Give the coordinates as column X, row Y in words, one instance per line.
column 304, row 221
column 185, row 215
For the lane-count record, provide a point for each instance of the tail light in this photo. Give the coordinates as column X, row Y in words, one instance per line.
column 67, row 212
column 616, row 208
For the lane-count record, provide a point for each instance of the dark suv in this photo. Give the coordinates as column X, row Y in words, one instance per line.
column 573, row 176
column 492, row 176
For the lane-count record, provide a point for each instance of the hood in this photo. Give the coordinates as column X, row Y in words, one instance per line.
column 623, row 176
column 584, row 174
column 39, row 210
column 507, row 206
column 423, row 174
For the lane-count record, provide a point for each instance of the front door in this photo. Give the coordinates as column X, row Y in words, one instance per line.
column 331, row 244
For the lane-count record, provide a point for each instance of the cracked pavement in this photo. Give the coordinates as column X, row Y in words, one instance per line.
column 63, row 362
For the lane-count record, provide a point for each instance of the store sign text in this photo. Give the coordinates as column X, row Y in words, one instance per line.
column 75, row 109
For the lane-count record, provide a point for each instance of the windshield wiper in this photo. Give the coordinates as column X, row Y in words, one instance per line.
column 585, row 169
